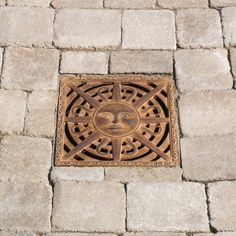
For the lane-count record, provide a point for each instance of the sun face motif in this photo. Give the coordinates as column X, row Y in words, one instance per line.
column 116, row 123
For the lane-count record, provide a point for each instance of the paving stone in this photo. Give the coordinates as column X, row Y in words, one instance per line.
column 223, row 3
column 138, row 62
column 30, row 3
column 154, row 234
column 142, row 174
column 208, row 159
column 17, row 29
column 84, row 62
column 198, row 28
column 39, row 104
column 1, row 54
column 182, row 3
column 226, row 234
column 90, row 207
column 156, row 29
column 25, row 159
column 203, row 70
column 2, row 2
column 167, row 207
column 12, row 107
column 5, row 233
column 73, row 29
column 25, row 206
column 78, row 234
column 229, row 25
column 233, row 60
column 30, row 69
column 208, row 113
column 130, row 4
column 77, row 3
column 223, row 205
column 77, row 174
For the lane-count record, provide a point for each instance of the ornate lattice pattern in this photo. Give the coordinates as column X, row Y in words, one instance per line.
column 116, row 121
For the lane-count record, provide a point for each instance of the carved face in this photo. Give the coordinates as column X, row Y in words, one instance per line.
column 116, row 119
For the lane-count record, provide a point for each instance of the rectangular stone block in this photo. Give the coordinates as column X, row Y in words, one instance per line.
column 223, row 205
column 233, row 60
column 208, row 159
column 203, row 70
column 208, row 113
column 155, row 234
column 17, row 29
column 73, row 29
column 229, row 25
column 167, row 207
column 199, row 28
column 90, row 207
column 223, row 3
column 39, row 104
column 142, row 174
column 25, row 159
column 175, row 4
column 84, row 62
column 5, row 233
column 29, row 3
column 30, row 69
column 130, row 4
column 77, row 3
column 77, row 174
column 156, row 29
column 141, row 62
column 79, row 234
column 12, row 107
column 25, row 206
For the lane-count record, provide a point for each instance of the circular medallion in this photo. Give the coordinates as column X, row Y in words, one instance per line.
column 116, row 119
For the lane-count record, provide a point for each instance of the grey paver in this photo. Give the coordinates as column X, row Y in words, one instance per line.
column 130, row 4
column 176, row 4
column 29, row 3
column 77, row 3
column 222, row 3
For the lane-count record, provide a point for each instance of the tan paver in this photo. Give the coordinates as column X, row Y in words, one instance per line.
column 17, row 29
column 73, row 29
column 77, row 3
column 12, row 107
column 182, row 3
column 156, row 29
column 130, row 4
column 154, row 234
column 25, row 206
column 91, row 207
column 233, row 60
column 79, row 234
column 5, row 233
column 30, row 69
column 199, row 28
column 1, row 54
column 30, row 3
column 223, row 205
column 167, row 207
column 223, row 3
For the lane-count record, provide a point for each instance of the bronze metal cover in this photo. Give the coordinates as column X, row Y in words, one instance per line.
column 116, row 120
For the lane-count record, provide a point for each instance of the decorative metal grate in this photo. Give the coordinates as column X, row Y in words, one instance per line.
column 116, row 120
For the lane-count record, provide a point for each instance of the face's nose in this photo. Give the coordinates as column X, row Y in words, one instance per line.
column 115, row 119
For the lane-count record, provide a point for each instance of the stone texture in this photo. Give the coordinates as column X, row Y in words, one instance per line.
column 77, row 3
column 5, row 233
column 223, row 205
column 142, row 174
column 167, row 207
column 25, row 206
column 17, row 29
column 141, row 62
column 130, row 4
column 1, row 54
column 223, row 3
column 89, row 207
column 154, row 234
column 182, row 3
column 77, row 174
column 203, row 70
column 198, row 28
column 78, row 234
column 233, row 60
column 73, row 29
column 2, row 2
column 30, row 69
column 84, row 62
column 208, row 159
column 39, row 104
column 229, row 25
column 12, row 107
column 208, row 113
column 156, row 29
column 25, row 159
column 30, row 3
column 218, row 234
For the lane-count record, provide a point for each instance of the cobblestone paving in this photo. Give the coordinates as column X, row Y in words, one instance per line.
column 193, row 40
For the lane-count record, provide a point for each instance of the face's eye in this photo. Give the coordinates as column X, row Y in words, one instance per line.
column 126, row 115
column 105, row 115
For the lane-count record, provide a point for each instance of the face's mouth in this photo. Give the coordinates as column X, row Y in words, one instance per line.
column 115, row 128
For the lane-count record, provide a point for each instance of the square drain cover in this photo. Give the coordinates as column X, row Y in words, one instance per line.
column 116, row 120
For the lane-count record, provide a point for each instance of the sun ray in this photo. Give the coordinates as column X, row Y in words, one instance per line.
column 85, row 96
column 116, row 148
column 81, row 146
column 82, row 119
column 138, row 104
column 148, row 144
column 116, row 94
column 157, row 120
